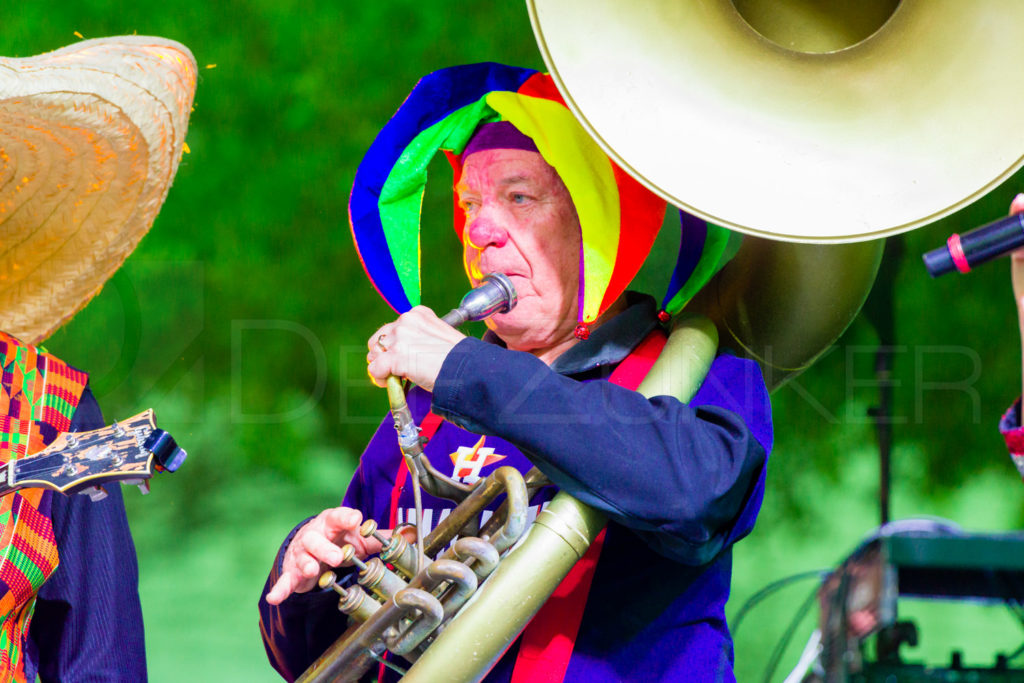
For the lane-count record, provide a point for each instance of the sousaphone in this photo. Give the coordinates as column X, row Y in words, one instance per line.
column 803, row 123
column 802, row 120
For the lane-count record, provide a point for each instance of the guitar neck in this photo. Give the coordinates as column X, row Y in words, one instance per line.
column 129, row 451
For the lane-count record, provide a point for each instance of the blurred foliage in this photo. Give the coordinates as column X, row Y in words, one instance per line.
column 242, row 319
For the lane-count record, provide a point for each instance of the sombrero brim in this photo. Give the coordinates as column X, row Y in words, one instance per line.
column 90, row 140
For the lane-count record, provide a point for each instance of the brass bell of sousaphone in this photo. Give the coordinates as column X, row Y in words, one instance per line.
column 803, row 123
column 814, row 127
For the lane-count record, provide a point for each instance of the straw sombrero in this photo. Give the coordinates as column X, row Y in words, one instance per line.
column 90, row 139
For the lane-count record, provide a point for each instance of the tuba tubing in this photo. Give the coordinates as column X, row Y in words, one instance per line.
column 355, row 651
column 476, row 638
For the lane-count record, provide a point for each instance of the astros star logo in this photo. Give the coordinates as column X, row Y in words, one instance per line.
column 469, row 460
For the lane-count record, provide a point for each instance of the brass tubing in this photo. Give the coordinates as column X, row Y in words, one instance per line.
column 411, row 601
column 517, row 508
column 474, row 640
column 383, row 582
column 475, row 553
column 348, row 658
column 502, row 480
column 462, row 578
column 358, row 604
column 401, row 554
column 395, row 550
column 535, row 480
column 354, row 601
column 433, row 482
column 543, row 559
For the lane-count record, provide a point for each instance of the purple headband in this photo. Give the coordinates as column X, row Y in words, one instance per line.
column 498, row 135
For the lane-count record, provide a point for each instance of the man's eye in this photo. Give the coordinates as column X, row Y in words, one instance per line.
column 518, row 198
column 468, row 206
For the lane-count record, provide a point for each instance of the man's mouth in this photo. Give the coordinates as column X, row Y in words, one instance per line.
column 506, row 273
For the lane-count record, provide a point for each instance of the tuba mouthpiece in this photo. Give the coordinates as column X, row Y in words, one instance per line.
column 495, row 294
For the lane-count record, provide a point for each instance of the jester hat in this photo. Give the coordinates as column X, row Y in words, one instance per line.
column 619, row 218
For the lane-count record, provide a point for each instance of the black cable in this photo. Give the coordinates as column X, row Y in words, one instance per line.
column 772, row 587
column 751, row 602
column 780, row 647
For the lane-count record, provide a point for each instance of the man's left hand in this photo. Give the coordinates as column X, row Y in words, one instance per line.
column 413, row 347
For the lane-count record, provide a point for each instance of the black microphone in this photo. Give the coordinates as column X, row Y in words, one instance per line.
column 964, row 252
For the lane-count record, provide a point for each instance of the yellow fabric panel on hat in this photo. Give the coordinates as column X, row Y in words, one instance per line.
column 588, row 176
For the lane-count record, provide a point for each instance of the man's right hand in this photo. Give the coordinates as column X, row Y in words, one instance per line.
column 317, row 546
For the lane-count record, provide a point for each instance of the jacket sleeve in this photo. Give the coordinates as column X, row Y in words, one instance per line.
column 688, row 478
column 88, row 620
column 298, row 630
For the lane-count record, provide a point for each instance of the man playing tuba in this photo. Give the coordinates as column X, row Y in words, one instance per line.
column 680, row 482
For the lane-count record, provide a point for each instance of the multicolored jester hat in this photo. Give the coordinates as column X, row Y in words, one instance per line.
column 619, row 218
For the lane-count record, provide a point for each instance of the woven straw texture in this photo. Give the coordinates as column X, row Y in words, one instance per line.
column 90, row 140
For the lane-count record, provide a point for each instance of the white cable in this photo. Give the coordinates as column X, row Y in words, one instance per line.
column 807, row 657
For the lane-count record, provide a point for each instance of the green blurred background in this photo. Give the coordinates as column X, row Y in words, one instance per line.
column 242, row 320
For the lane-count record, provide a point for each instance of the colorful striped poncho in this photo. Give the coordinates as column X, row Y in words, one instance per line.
column 38, row 396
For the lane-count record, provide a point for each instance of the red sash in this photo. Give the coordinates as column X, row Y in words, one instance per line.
column 548, row 640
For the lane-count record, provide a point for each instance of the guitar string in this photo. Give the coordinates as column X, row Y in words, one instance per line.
column 30, row 469
column 26, row 468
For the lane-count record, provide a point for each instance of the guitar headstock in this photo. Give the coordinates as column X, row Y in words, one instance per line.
column 129, row 451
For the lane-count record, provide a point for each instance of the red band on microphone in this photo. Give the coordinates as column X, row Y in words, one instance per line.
column 956, row 251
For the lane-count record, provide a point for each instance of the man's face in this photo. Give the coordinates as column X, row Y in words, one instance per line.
column 521, row 221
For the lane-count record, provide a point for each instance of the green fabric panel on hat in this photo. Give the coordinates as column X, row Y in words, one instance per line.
column 401, row 197
column 720, row 246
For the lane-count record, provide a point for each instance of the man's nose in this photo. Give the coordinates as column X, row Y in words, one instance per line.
column 483, row 231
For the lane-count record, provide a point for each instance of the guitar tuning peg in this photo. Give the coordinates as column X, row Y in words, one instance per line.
column 95, row 493
column 143, row 484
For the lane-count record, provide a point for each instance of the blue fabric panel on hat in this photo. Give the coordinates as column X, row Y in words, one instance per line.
column 435, row 96
column 691, row 247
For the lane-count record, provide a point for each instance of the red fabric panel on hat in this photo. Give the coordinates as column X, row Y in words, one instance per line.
column 459, row 218
column 641, row 213
column 541, row 85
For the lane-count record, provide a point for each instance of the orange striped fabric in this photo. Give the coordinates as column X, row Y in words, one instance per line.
column 38, row 396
